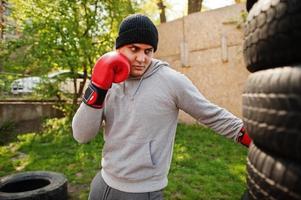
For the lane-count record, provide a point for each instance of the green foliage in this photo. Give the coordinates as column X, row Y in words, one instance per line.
column 5, row 81
column 54, row 88
column 60, row 34
column 204, row 166
column 68, row 111
column 48, row 89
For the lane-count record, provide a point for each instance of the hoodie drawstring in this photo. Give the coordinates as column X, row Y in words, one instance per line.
column 155, row 66
column 139, row 84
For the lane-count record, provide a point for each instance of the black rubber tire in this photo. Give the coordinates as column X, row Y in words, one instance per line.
column 249, row 4
column 272, row 178
column 272, row 110
column 273, row 34
column 33, row 186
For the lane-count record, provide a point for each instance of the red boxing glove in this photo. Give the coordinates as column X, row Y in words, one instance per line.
column 244, row 138
column 112, row 67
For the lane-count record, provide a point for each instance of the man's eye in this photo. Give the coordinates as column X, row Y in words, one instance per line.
column 148, row 51
column 133, row 49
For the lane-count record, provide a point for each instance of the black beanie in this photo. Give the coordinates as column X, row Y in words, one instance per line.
column 137, row 28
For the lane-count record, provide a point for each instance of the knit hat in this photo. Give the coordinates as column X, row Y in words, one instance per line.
column 137, row 28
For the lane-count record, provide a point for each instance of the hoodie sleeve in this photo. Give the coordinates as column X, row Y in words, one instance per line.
column 190, row 100
column 86, row 123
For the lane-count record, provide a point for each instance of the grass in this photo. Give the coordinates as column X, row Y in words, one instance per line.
column 205, row 165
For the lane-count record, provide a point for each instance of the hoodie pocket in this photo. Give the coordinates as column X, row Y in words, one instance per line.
column 129, row 160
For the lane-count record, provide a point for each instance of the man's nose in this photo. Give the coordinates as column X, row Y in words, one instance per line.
column 141, row 57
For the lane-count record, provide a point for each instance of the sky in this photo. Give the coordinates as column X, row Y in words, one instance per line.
column 212, row 4
column 178, row 6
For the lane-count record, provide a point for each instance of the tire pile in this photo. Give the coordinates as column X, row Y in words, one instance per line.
column 272, row 99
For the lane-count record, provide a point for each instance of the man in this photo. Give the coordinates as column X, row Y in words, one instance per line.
column 139, row 99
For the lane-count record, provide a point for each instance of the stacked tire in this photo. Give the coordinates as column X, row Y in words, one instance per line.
column 272, row 99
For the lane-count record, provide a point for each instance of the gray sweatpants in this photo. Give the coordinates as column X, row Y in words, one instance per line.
column 101, row 191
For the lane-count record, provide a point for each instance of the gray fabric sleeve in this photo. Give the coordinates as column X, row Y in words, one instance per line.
column 86, row 123
column 191, row 101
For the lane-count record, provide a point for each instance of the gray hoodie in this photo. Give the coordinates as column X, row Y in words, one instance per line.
column 140, row 118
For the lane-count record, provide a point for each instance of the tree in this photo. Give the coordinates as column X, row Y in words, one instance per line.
column 162, row 7
column 194, row 6
column 2, row 8
column 64, row 34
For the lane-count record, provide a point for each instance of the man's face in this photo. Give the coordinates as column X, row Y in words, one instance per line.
column 140, row 57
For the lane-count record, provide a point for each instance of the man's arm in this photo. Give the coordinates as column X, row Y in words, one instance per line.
column 190, row 100
column 112, row 67
column 86, row 123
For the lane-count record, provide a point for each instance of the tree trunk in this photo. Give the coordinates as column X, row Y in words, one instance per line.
column 82, row 85
column 194, row 6
column 2, row 8
column 162, row 7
